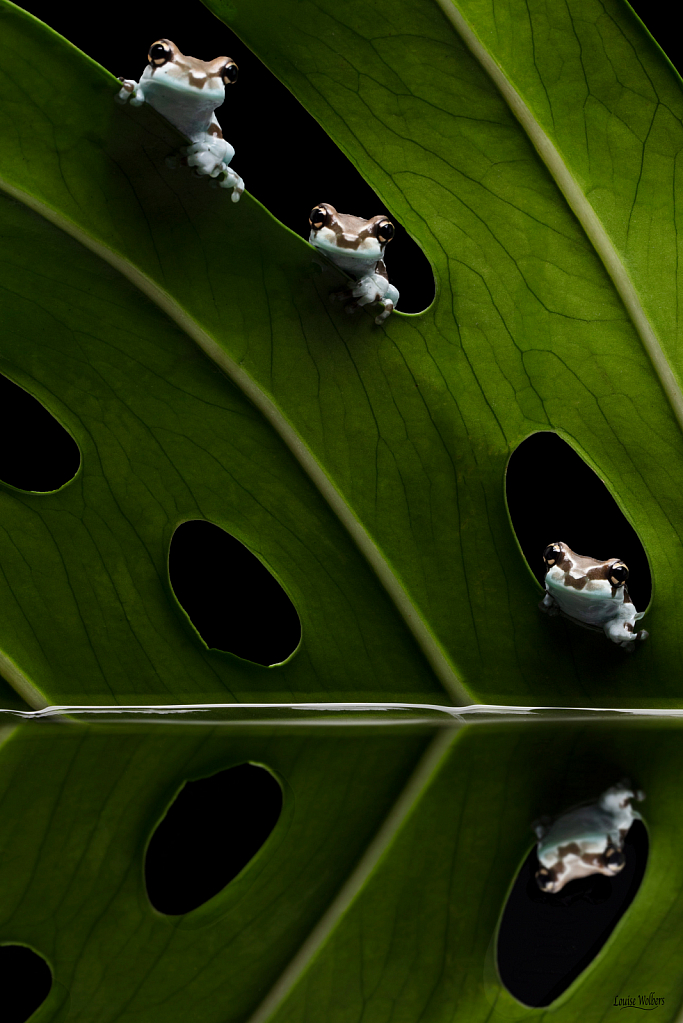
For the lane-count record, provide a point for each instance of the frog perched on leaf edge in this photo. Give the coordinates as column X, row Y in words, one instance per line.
column 187, row 92
column 356, row 246
column 592, row 593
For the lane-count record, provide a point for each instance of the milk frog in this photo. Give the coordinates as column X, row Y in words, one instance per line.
column 186, row 91
column 592, row 593
column 356, row 246
column 586, row 840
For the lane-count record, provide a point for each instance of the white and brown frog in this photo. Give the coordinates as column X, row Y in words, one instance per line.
column 592, row 593
column 588, row 839
column 187, row 91
column 356, row 246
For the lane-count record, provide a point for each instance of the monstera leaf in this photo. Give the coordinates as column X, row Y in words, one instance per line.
column 378, row 892
column 189, row 347
column 190, row 350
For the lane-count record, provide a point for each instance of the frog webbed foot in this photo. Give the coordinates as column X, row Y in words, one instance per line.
column 364, row 292
column 548, row 605
column 387, row 310
column 210, row 157
column 630, row 645
column 130, row 91
column 388, row 300
column 233, row 181
column 624, row 634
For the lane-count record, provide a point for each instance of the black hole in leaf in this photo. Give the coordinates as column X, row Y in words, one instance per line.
column 661, row 19
column 37, row 453
column 25, row 982
column 553, row 495
column 210, row 832
column 312, row 168
column 545, row 941
column 233, row 601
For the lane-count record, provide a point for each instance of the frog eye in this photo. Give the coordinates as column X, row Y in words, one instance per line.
column 159, row 53
column 618, row 573
column 229, row 73
column 614, row 859
column 544, row 879
column 317, row 218
column 551, row 554
column 385, row 231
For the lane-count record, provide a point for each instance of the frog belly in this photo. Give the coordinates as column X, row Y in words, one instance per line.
column 358, row 265
column 191, row 114
column 550, row 854
column 591, row 606
column 588, row 826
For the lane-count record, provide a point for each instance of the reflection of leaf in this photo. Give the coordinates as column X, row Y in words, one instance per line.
column 381, row 885
column 366, row 453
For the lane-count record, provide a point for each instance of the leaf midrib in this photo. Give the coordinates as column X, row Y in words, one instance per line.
column 428, row 644
column 409, row 797
column 579, row 204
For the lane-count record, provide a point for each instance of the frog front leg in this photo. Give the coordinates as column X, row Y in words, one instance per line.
column 622, row 631
column 130, row 92
column 388, row 303
column 211, row 155
column 370, row 289
column 549, row 605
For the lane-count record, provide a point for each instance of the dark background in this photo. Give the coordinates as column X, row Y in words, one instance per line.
column 203, row 553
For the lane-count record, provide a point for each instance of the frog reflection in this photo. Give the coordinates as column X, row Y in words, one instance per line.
column 586, row 840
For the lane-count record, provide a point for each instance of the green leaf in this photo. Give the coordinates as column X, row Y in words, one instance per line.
column 188, row 348
column 378, row 892
column 531, row 152
column 364, row 466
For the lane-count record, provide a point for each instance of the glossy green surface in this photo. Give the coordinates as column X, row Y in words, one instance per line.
column 377, row 895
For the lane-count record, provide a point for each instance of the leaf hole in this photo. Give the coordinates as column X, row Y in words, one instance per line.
column 553, row 495
column 546, row 941
column 211, row 831
column 25, row 982
column 37, row 454
column 232, row 600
